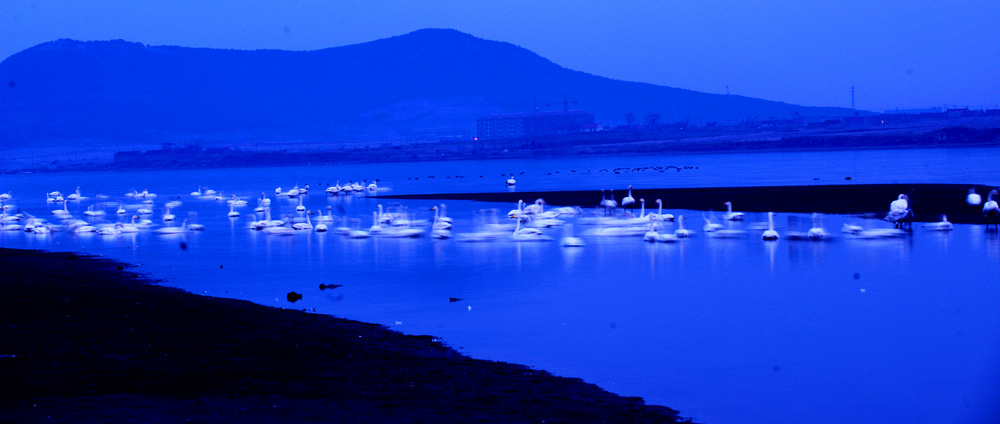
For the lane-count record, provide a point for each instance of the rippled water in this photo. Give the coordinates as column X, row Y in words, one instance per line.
column 725, row 330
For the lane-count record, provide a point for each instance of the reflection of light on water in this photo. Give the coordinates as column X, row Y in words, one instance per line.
column 571, row 255
column 771, row 248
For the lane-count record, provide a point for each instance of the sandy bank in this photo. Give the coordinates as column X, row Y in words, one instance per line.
column 84, row 340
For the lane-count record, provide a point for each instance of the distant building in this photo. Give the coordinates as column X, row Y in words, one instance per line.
column 519, row 125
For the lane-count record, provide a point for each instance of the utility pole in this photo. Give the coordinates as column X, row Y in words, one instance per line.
column 852, row 97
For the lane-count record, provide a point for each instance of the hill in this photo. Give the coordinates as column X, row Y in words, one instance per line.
column 427, row 84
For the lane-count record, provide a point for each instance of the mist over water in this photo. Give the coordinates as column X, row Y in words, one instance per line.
column 725, row 330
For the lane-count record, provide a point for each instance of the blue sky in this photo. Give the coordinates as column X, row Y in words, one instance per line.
column 898, row 54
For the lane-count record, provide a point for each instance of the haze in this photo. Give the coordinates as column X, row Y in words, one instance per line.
column 897, row 54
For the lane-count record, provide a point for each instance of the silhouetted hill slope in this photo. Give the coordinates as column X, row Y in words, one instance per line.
column 430, row 82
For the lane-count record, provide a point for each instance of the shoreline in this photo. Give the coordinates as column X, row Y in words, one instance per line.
column 86, row 338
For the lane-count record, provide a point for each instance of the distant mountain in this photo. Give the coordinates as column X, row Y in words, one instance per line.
column 430, row 83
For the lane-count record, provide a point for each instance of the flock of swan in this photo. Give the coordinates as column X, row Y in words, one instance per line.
column 528, row 222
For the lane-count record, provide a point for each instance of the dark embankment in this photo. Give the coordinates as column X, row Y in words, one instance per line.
column 928, row 201
column 82, row 340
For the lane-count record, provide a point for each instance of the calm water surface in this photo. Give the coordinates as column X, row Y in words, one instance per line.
column 725, row 330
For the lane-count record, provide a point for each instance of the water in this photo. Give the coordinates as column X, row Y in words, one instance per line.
column 725, row 330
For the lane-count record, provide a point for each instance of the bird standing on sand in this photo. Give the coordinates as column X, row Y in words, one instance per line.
column 991, row 209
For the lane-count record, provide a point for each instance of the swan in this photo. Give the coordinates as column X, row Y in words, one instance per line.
column 76, row 195
column 528, row 234
column 991, row 208
column 443, row 218
column 943, row 225
column 817, row 232
column 192, row 226
column 681, row 231
column 232, row 212
column 108, row 230
column 281, row 231
column 173, row 230
column 973, row 198
column 372, row 187
column 568, row 240
column 511, row 181
column 628, row 202
column 438, row 224
column 303, row 225
column 5, row 197
column 92, row 212
column 272, row 223
column 277, row 191
column 321, row 228
column 770, row 234
column 852, row 229
column 730, row 215
column 659, row 216
column 196, row 193
column 167, row 217
column 515, row 213
column 651, row 234
column 899, row 211
column 710, row 226
column 209, row 192
column 609, row 204
column 300, row 207
column 62, row 213
column 128, row 227
column 294, row 192
column 121, row 209
column 376, row 228
column 237, row 202
column 264, row 200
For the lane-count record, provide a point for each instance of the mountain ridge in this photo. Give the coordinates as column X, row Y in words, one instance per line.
column 426, row 84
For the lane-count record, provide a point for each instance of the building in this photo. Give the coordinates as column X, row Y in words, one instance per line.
column 520, row 125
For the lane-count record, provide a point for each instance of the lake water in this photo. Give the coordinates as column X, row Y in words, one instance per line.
column 724, row 329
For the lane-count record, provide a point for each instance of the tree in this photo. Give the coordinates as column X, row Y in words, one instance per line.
column 630, row 118
column 652, row 119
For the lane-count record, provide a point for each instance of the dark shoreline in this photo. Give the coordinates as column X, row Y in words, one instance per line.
column 85, row 339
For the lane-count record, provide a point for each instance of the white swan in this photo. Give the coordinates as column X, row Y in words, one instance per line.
column 264, row 200
column 300, row 207
column 943, row 225
column 167, row 217
column 817, row 232
column 511, row 181
column 628, row 202
column 438, row 223
column 568, row 240
column 991, row 209
column 899, row 211
column 710, row 226
column 730, row 215
column 770, row 234
column 973, row 198
column 321, row 227
column 681, row 231
column 236, row 202
column 232, row 211
column 173, row 230
column 303, row 225
column 528, row 234
column 376, row 228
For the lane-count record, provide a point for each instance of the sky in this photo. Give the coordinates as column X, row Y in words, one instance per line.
column 895, row 54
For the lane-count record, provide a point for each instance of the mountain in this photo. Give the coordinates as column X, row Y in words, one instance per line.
column 429, row 83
